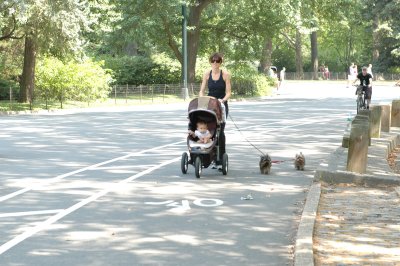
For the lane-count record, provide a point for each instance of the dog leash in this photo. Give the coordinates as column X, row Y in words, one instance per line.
column 241, row 133
column 254, row 146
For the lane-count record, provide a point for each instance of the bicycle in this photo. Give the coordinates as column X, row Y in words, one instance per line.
column 360, row 97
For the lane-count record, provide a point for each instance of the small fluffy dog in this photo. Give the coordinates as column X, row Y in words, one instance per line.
column 265, row 164
column 299, row 162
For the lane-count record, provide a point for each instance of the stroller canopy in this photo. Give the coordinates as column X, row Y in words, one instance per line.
column 205, row 104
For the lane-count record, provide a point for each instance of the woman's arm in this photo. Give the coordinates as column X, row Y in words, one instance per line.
column 228, row 90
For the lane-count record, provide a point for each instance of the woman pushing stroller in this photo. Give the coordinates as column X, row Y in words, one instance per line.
column 219, row 86
column 207, row 116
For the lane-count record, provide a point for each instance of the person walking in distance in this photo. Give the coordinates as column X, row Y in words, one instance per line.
column 281, row 77
column 369, row 70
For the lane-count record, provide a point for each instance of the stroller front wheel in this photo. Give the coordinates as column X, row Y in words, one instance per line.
column 184, row 163
column 225, row 164
column 197, row 167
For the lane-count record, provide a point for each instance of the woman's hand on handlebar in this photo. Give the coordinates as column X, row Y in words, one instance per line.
column 191, row 133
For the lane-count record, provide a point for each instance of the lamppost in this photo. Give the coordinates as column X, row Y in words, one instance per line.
column 185, row 91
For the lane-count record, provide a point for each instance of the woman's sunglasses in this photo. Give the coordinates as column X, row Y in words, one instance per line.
column 216, row 61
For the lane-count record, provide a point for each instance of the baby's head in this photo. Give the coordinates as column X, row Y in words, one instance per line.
column 202, row 126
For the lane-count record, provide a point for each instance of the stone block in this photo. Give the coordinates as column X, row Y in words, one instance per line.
column 346, row 139
column 362, row 117
column 395, row 113
column 357, row 156
column 375, row 121
column 386, row 118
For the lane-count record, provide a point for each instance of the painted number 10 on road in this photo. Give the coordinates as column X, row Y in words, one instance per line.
column 184, row 205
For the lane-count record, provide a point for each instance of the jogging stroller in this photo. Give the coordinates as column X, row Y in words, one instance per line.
column 201, row 155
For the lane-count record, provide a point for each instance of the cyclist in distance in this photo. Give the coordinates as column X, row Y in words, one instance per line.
column 365, row 84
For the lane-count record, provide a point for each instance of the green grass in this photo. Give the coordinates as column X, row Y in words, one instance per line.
column 131, row 100
column 109, row 102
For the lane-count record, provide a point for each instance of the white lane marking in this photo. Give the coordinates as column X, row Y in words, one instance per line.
column 179, row 208
column 186, row 205
column 208, row 202
column 30, row 213
column 305, row 123
column 283, row 121
column 159, row 203
column 44, row 225
column 57, row 178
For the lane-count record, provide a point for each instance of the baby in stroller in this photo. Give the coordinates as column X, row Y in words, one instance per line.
column 207, row 115
column 202, row 132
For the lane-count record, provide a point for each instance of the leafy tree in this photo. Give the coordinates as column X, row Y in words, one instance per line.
column 156, row 26
column 384, row 29
column 48, row 27
column 138, row 38
column 157, row 69
column 81, row 81
column 243, row 30
column 101, row 36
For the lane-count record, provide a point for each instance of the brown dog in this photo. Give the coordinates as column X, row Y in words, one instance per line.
column 265, row 164
column 299, row 162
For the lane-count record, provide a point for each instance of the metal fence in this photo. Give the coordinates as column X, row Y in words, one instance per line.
column 337, row 76
column 154, row 92
column 166, row 92
column 125, row 92
column 8, row 94
column 159, row 93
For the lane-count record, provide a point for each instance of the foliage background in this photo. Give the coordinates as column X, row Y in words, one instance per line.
column 139, row 42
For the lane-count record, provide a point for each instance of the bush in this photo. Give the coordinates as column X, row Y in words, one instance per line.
column 394, row 70
column 141, row 70
column 246, row 81
column 86, row 81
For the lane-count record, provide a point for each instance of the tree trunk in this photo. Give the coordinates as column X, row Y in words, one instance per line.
column 131, row 49
column 375, row 39
column 266, row 56
column 314, row 41
column 299, row 55
column 193, row 36
column 314, row 54
column 27, row 84
column 349, row 49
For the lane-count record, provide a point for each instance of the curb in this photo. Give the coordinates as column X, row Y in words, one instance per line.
column 304, row 254
column 334, row 172
column 378, row 171
column 357, row 179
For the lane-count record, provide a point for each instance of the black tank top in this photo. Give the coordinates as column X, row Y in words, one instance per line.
column 216, row 88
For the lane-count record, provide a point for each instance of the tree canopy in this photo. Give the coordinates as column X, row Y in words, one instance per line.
column 297, row 34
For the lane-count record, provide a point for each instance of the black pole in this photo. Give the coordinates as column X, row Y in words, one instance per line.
column 185, row 92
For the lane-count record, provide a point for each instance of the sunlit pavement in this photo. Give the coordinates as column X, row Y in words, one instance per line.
column 357, row 226
column 105, row 188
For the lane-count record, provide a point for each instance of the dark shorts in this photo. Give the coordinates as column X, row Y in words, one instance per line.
column 367, row 91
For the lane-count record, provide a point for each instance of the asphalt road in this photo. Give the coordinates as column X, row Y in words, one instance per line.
column 105, row 187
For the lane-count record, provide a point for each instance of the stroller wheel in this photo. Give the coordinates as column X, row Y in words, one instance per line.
column 197, row 167
column 184, row 163
column 225, row 164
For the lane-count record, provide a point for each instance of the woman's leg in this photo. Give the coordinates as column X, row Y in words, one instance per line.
column 221, row 143
column 222, row 139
